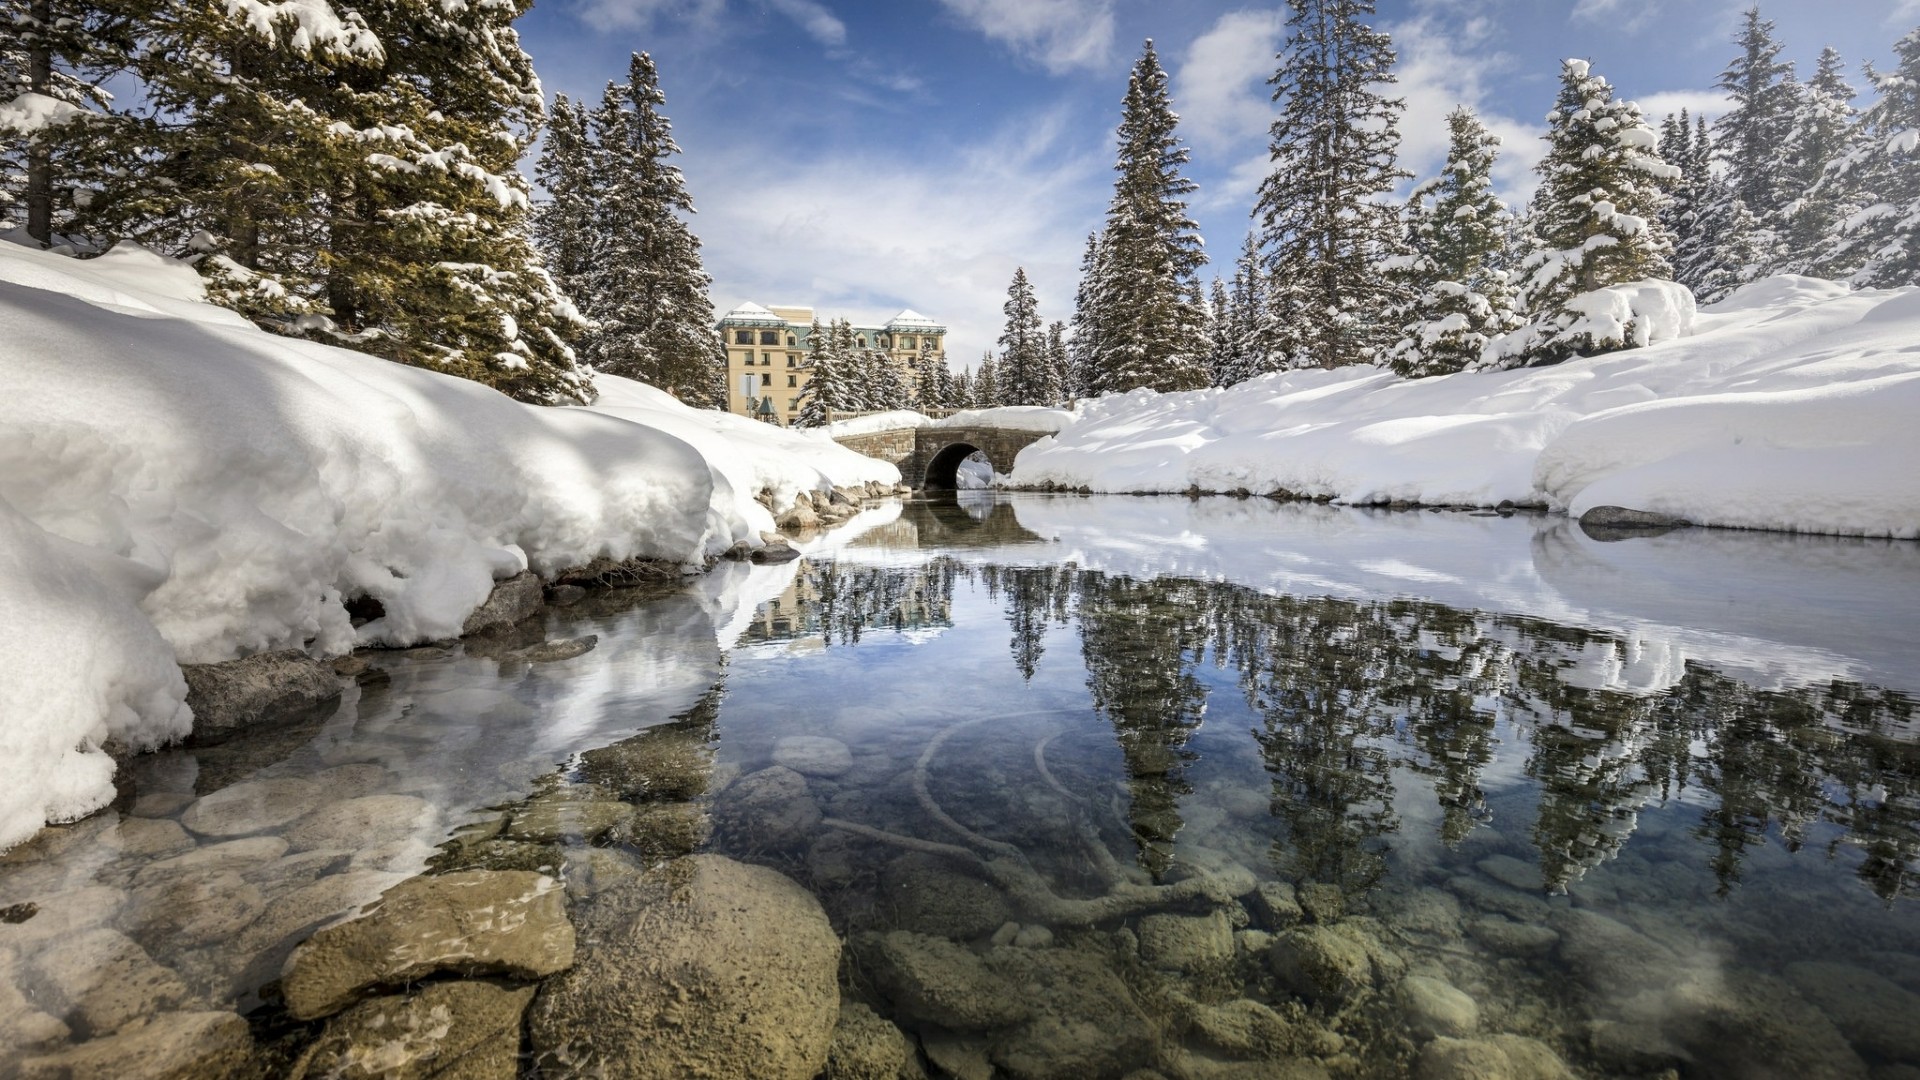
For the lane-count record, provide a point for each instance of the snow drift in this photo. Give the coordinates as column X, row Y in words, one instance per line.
column 178, row 485
column 1788, row 406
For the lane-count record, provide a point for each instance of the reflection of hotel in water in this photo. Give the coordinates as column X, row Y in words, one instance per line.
column 836, row 604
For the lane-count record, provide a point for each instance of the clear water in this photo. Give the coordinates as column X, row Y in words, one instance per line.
column 1654, row 804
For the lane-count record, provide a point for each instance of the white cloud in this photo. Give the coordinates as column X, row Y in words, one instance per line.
column 1220, row 87
column 820, row 24
column 1708, row 103
column 1443, row 64
column 811, row 16
column 1626, row 15
column 864, row 235
column 1060, row 35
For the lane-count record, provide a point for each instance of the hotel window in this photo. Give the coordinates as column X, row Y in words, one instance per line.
column 791, row 381
column 766, row 359
column 793, row 360
column 769, row 337
column 793, row 403
column 906, row 341
column 790, row 341
column 766, row 379
column 746, row 358
column 743, row 337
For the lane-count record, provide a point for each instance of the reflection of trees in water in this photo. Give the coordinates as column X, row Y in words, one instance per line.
column 1141, row 642
column 1344, row 692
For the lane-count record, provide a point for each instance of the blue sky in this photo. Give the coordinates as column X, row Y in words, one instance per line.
column 869, row 155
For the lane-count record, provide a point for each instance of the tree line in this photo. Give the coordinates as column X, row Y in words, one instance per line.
column 1793, row 178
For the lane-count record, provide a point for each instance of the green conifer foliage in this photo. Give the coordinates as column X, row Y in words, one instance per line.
column 1326, row 231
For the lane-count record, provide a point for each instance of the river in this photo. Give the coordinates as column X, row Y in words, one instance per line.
column 1435, row 779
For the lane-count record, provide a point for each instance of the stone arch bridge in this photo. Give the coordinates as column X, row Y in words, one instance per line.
column 929, row 457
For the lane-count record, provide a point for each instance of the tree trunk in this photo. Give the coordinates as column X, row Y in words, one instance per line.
column 39, row 151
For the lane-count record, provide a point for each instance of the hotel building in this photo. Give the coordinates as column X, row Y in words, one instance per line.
column 767, row 354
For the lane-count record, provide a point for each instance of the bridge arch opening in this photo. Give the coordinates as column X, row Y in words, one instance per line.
column 943, row 469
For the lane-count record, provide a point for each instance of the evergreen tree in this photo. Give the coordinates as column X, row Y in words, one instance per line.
column 1152, row 323
column 1461, row 300
column 1751, row 133
column 1326, row 232
column 1687, row 195
column 820, row 398
column 646, row 292
column 1253, row 331
column 58, row 126
column 930, row 379
column 986, row 384
column 1060, row 362
column 1089, row 319
column 1822, row 127
column 855, row 390
column 1729, row 248
column 960, row 396
column 1221, row 360
column 566, row 226
column 885, row 387
column 1879, row 245
column 353, row 175
column 1596, row 217
column 1026, row 376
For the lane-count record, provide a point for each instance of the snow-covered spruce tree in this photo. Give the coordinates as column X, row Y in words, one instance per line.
column 1253, row 333
column 1221, row 360
column 886, row 388
column 855, row 391
column 1460, row 297
column 1878, row 245
column 1750, row 135
column 1687, row 195
column 1026, row 377
column 1823, row 122
column 1728, row 248
column 1089, row 318
column 986, row 384
column 960, row 396
column 1152, row 331
column 1060, row 361
column 927, row 390
column 1596, row 220
column 564, row 225
column 820, row 398
column 251, row 151
column 1326, row 231
column 60, row 139
column 646, row 292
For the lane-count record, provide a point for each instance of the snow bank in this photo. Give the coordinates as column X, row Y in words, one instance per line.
column 752, row 455
column 176, row 484
column 1781, row 410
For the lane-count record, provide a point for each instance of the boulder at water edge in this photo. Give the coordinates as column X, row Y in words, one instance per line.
column 702, row 967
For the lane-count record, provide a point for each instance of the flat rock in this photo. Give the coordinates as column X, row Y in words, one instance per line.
column 1509, row 938
column 1622, row 517
column 1244, row 1028
column 147, row 838
column 261, row 690
column 254, row 807
column 1431, row 1007
column 1513, row 873
column 1609, row 956
column 1277, row 905
column 467, row 1029
column 548, row 652
column 866, row 1046
column 702, row 967
column 771, row 809
column 104, row 980
column 182, row 911
column 367, row 821
column 669, row 762
column 813, row 755
column 1082, row 1019
column 1320, row 965
column 168, row 1046
column 58, row 917
column 1188, row 943
column 519, row 597
column 510, row 923
column 932, row 980
column 560, row 816
column 1499, row 1057
column 927, row 895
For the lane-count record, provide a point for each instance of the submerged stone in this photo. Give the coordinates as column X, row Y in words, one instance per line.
column 1322, row 966
column 928, row 896
column 673, row 761
column 865, row 1046
column 1432, row 1007
column 703, row 967
column 934, row 981
column 467, row 1029
column 473, row 923
column 166, row 1046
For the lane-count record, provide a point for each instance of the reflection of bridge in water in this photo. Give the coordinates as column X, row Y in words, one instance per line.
column 949, row 519
column 929, row 457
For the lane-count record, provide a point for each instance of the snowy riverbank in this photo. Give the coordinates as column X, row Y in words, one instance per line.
column 178, row 486
column 1789, row 406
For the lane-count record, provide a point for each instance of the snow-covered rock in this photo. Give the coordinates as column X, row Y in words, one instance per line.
column 178, row 486
column 1786, row 406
